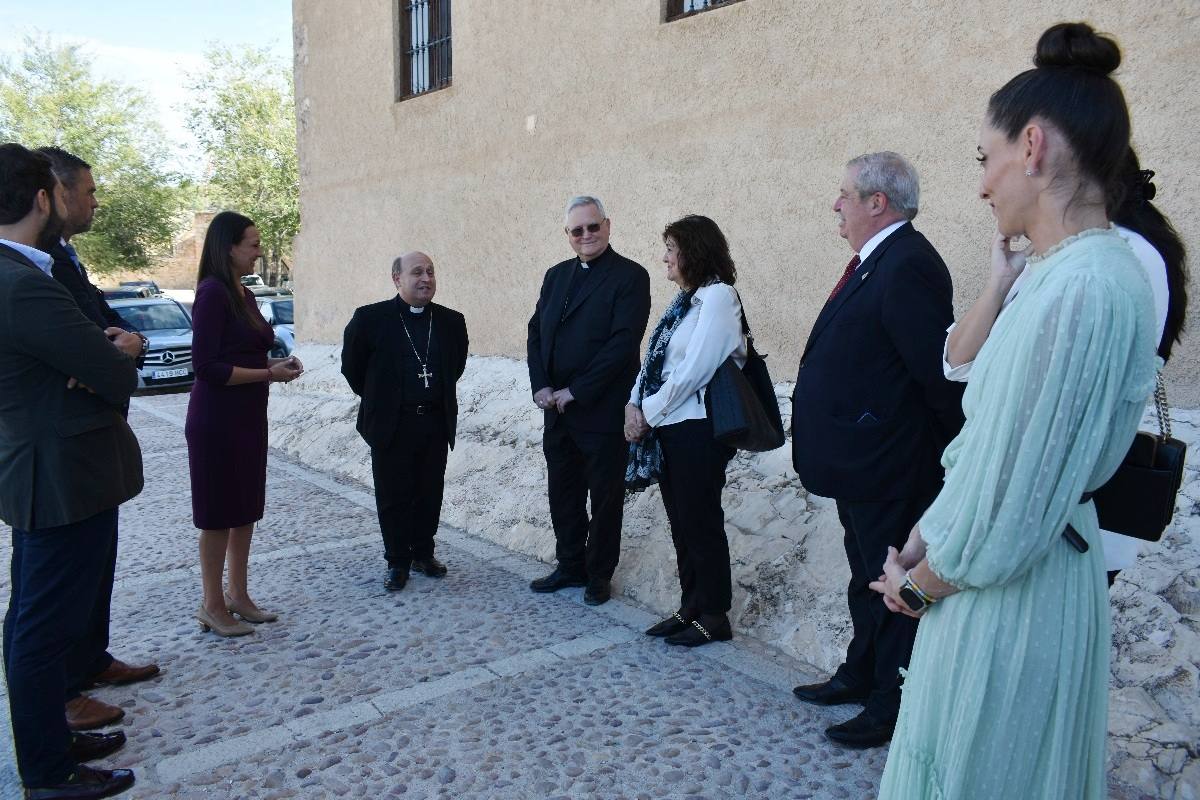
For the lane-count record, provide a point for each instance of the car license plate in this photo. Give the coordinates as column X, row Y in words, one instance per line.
column 159, row 374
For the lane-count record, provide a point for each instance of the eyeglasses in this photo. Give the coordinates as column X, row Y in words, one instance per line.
column 591, row 227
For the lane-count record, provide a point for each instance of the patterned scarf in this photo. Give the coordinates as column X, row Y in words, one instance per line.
column 644, row 466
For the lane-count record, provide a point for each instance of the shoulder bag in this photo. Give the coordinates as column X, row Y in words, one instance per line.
column 1139, row 499
column 742, row 405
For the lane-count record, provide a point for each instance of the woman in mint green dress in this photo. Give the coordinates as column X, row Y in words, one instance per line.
column 1006, row 695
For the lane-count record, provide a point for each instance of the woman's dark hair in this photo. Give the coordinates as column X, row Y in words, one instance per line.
column 704, row 253
column 1139, row 215
column 225, row 231
column 1071, row 89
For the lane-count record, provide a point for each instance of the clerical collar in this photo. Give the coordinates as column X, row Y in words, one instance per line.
column 417, row 309
column 598, row 259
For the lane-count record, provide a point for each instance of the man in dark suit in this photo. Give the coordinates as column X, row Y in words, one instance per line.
column 403, row 357
column 871, row 415
column 91, row 663
column 583, row 358
column 67, row 460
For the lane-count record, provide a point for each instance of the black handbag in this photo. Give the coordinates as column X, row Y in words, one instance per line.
column 742, row 405
column 1139, row 499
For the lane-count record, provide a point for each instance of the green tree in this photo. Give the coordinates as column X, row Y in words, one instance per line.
column 49, row 97
column 244, row 116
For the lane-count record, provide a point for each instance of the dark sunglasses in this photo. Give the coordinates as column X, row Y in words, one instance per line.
column 592, row 227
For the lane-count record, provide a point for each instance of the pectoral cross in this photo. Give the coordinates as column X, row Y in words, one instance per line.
column 425, row 374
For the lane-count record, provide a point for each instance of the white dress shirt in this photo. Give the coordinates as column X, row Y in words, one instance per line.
column 709, row 333
column 43, row 261
column 865, row 251
column 1119, row 551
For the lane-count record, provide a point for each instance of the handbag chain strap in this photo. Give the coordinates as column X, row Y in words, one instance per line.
column 1161, row 407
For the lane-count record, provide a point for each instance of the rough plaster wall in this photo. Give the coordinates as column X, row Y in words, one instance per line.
column 746, row 114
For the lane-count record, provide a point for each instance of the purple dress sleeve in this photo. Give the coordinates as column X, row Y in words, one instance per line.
column 210, row 312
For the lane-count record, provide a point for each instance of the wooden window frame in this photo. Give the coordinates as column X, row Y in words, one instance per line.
column 438, row 44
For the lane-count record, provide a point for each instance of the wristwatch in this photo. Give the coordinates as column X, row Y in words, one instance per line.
column 913, row 596
column 145, row 342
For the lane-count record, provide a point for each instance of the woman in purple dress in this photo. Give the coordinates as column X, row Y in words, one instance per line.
column 227, row 420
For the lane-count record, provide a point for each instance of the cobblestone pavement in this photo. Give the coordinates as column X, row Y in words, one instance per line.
column 465, row 687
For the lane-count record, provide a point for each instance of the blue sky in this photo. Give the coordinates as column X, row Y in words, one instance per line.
column 151, row 45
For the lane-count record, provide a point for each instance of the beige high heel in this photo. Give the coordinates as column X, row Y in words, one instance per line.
column 248, row 614
column 210, row 623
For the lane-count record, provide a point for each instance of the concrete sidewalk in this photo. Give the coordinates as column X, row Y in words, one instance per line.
column 465, row 687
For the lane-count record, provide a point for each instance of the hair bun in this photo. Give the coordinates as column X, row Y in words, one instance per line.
column 1076, row 44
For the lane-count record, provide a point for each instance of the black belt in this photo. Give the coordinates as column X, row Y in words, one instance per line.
column 421, row 409
column 1071, row 535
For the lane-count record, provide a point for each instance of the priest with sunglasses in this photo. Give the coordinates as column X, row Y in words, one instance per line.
column 583, row 346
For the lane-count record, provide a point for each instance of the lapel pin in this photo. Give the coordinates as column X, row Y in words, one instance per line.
column 865, row 274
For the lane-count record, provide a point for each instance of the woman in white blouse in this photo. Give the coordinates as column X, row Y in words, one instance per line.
column 1161, row 252
column 669, row 430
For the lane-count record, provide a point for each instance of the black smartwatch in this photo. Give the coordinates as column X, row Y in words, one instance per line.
column 913, row 597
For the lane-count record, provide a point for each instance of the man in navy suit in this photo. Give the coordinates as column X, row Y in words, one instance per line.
column 871, row 415
column 583, row 359
column 91, row 662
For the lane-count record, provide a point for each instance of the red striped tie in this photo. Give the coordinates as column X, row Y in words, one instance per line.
column 841, row 284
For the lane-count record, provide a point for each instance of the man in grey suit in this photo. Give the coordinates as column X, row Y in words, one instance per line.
column 67, row 461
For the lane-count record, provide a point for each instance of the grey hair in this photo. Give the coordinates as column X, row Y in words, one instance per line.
column 398, row 265
column 891, row 174
column 584, row 200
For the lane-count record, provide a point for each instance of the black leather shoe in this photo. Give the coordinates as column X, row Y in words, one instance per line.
column 597, row 592
column 397, row 579
column 862, row 731
column 429, row 567
column 832, row 692
column 557, row 580
column 85, row 783
column 669, row 626
column 703, row 631
column 90, row 746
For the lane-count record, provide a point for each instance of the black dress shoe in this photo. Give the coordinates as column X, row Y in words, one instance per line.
column 862, row 731
column 90, row 746
column 85, row 783
column 832, row 692
column 397, row 579
column 669, row 626
column 429, row 567
column 702, row 631
column 597, row 592
column 557, row 580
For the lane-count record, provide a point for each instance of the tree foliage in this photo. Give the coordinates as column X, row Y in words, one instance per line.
column 49, row 97
column 244, row 118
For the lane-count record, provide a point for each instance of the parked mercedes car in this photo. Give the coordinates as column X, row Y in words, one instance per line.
column 169, row 328
column 277, row 311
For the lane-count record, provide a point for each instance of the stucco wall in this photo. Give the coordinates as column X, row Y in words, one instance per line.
column 746, row 114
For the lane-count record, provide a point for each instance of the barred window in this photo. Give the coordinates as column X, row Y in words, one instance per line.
column 425, row 55
column 677, row 9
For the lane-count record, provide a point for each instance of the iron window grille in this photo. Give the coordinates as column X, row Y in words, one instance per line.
column 425, row 54
column 678, row 9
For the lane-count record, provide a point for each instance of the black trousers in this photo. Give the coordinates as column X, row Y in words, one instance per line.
column 56, row 576
column 410, row 474
column 580, row 464
column 91, row 656
column 693, row 477
column 883, row 641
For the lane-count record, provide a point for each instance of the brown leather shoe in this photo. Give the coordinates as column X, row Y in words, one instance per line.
column 119, row 672
column 85, row 713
